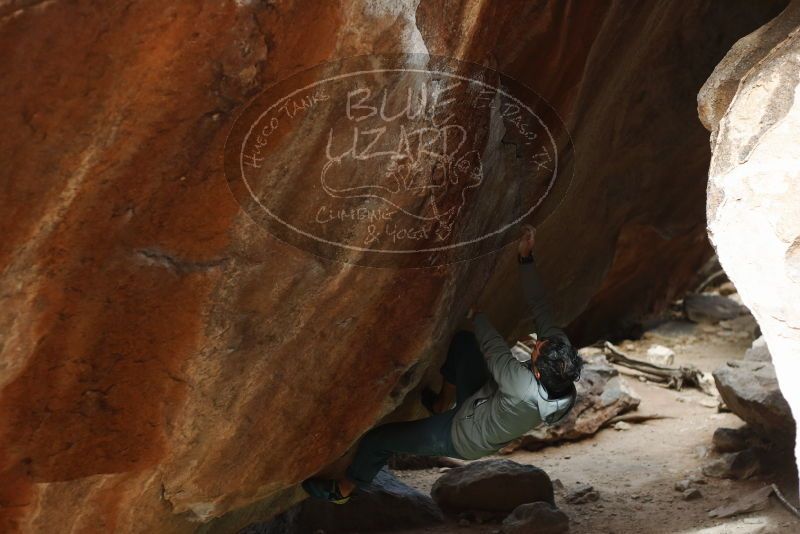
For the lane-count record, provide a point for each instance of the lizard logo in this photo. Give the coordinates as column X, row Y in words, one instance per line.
column 397, row 160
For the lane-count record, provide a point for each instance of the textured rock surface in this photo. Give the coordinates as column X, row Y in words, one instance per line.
column 602, row 395
column 387, row 505
column 738, row 465
column 705, row 308
column 491, row 486
column 758, row 352
column 750, row 389
column 168, row 367
column 538, row 517
column 754, row 184
column 731, row 439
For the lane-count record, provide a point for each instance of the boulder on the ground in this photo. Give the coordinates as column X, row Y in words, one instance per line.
column 750, row 390
column 388, row 504
column 538, row 517
column 731, row 439
column 602, row 395
column 739, row 465
column 710, row 308
column 491, row 485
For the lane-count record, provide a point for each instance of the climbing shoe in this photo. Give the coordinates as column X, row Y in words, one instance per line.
column 326, row 490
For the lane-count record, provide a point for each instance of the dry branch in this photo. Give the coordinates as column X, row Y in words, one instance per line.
column 674, row 377
column 784, row 501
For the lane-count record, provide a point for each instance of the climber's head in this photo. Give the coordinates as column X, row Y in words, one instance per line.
column 556, row 365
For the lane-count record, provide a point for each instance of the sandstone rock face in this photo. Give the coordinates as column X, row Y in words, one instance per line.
column 754, row 184
column 168, row 366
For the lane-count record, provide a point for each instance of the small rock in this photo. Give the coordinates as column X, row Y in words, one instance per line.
column 661, row 355
column 737, row 465
column 621, row 425
column 708, row 308
column 709, row 403
column 735, row 297
column 683, row 485
column 692, row 494
column 731, row 439
column 726, row 289
column 539, row 517
column 588, row 352
column 582, row 494
column 697, row 479
column 758, row 351
column 558, row 485
column 463, row 522
column 744, row 326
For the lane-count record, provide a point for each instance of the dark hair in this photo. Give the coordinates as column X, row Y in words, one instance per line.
column 559, row 366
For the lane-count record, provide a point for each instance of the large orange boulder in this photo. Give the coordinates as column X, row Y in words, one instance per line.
column 169, row 365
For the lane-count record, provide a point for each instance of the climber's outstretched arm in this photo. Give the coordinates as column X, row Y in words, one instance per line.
column 533, row 289
column 512, row 378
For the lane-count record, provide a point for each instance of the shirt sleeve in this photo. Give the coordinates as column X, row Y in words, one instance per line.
column 513, row 378
column 536, row 299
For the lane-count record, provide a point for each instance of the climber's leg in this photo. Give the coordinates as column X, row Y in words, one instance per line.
column 425, row 437
column 464, row 371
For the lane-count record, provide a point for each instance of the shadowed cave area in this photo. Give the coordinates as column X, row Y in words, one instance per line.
column 239, row 235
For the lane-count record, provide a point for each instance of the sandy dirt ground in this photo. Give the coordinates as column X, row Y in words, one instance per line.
column 635, row 470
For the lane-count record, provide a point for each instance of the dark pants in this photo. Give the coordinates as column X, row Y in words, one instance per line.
column 466, row 368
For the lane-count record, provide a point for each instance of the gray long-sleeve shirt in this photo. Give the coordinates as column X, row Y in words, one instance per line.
column 512, row 402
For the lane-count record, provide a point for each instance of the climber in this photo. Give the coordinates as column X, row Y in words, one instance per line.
column 488, row 397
